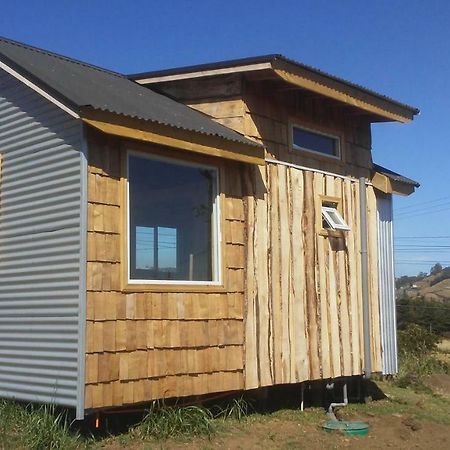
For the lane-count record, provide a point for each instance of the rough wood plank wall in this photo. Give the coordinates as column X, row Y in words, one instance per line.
column 267, row 119
column 144, row 346
column 304, row 315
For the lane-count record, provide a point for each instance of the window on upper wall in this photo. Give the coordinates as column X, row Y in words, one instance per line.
column 316, row 142
column 172, row 221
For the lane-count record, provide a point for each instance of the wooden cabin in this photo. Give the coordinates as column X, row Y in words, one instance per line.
column 191, row 231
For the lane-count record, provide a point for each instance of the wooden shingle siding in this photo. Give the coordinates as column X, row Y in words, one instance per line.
column 148, row 345
column 304, row 315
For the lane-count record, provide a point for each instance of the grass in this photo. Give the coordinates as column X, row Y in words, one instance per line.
column 420, row 405
column 35, row 428
column 162, row 422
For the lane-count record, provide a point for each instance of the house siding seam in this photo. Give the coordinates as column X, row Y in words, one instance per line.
column 388, row 322
column 40, row 195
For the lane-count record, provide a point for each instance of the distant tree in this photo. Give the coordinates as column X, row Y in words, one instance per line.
column 404, row 281
column 444, row 274
column 435, row 269
column 430, row 314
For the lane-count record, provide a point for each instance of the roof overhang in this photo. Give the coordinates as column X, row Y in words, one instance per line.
column 390, row 182
column 297, row 76
column 191, row 141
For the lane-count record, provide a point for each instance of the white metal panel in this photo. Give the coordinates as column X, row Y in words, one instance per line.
column 41, row 245
column 387, row 285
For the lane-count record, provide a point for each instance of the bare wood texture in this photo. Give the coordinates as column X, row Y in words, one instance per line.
column 382, row 109
column 303, row 315
column 268, row 117
column 148, row 345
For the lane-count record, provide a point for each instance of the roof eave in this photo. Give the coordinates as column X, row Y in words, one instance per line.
column 305, row 77
column 176, row 138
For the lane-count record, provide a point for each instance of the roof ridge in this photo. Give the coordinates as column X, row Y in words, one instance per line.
column 62, row 57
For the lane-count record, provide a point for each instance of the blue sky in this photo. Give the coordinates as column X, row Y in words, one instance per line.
column 399, row 48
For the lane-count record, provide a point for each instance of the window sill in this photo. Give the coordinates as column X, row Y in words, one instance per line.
column 332, row 233
column 178, row 288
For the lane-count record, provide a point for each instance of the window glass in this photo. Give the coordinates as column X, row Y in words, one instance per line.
column 315, row 142
column 171, row 220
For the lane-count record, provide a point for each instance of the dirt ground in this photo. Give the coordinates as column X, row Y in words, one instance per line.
column 403, row 420
column 385, row 432
column 439, row 384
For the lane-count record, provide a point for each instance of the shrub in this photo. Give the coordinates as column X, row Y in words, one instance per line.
column 416, row 340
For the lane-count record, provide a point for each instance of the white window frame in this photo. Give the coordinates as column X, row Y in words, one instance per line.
column 320, row 133
column 215, row 223
column 341, row 224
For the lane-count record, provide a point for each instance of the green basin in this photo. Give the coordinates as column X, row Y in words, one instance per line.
column 348, row 428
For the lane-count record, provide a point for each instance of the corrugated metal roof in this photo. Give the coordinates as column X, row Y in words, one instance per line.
column 266, row 59
column 83, row 85
column 394, row 175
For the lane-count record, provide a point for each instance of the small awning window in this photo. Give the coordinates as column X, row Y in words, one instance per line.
column 333, row 219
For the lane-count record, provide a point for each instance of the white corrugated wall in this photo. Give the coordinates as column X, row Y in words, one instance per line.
column 387, row 285
column 41, row 245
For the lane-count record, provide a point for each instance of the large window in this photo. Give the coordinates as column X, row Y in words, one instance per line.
column 316, row 142
column 172, row 221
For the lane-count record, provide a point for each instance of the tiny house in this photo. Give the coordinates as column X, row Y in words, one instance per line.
column 186, row 232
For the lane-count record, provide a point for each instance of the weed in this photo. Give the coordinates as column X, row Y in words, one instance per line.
column 35, row 428
column 11, row 418
column 162, row 422
column 238, row 409
column 45, row 428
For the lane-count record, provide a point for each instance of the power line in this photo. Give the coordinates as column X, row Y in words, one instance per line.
column 422, row 237
column 422, row 306
column 422, row 208
column 422, row 213
column 423, row 203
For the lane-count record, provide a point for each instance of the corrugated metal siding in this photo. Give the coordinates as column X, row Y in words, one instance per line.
column 387, row 285
column 40, row 197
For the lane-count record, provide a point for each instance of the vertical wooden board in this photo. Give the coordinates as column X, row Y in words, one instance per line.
column 275, row 273
column 352, row 276
column 322, row 284
column 263, row 307
column 251, row 318
column 309, row 244
column 346, row 283
column 333, row 312
column 285, row 276
column 297, row 298
column 373, row 280
column 357, row 252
